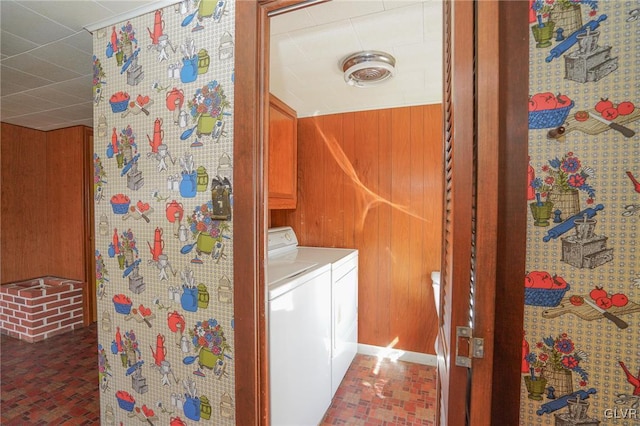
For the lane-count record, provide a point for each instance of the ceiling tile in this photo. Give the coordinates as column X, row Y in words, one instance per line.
column 432, row 19
column 123, row 6
column 284, row 51
column 75, row 112
column 78, row 86
column 399, row 26
column 11, row 44
column 31, row 26
column 292, row 21
column 82, row 41
column 343, row 9
column 64, row 56
column 8, row 86
column 49, row 93
column 33, row 65
column 328, row 42
column 19, row 78
column 393, row 4
column 72, row 14
column 31, row 104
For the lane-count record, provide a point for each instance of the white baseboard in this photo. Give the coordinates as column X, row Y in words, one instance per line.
column 398, row 354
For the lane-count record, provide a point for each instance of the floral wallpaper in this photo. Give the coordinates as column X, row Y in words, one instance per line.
column 163, row 89
column 581, row 353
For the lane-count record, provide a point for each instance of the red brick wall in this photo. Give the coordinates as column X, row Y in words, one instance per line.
column 31, row 313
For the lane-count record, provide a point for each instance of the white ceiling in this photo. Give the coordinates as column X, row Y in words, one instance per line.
column 308, row 44
column 46, row 74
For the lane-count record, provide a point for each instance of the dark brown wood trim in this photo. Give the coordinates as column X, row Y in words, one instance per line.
column 248, row 220
column 89, row 312
column 511, row 208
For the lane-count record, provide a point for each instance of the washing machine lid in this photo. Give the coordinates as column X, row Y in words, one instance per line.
column 279, row 269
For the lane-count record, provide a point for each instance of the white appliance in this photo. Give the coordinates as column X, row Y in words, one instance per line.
column 313, row 324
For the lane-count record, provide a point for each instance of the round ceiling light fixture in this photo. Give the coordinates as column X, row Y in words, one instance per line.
column 367, row 68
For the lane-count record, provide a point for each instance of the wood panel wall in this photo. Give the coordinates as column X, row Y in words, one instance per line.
column 42, row 218
column 24, row 220
column 372, row 180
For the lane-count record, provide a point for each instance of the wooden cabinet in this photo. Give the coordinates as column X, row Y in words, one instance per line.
column 283, row 155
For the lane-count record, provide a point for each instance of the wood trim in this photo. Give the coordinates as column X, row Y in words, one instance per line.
column 487, row 123
column 511, row 206
column 90, row 313
column 251, row 393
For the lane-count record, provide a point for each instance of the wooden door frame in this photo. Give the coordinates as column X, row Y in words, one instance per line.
column 501, row 240
column 89, row 290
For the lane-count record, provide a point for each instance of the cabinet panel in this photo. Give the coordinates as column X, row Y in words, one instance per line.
column 283, row 141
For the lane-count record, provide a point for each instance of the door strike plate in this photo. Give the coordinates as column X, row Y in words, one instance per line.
column 473, row 347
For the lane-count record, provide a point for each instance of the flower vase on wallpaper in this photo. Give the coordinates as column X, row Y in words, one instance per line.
column 535, row 387
column 543, row 33
column 566, row 14
column 565, row 177
column 555, row 361
column 188, row 184
column 205, row 125
column 541, row 211
column 207, row 107
column 205, row 229
column 189, row 70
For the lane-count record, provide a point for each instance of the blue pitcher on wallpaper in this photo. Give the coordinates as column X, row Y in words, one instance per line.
column 192, row 407
column 189, row 70
column 189, row 298
column 188, row 184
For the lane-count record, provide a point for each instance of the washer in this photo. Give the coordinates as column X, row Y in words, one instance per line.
column 283, row 250
column 299, row 326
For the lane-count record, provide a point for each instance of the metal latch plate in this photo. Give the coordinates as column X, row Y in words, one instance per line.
column 474, row 347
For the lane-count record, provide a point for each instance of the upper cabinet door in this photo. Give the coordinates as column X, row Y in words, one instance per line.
column 283, row 155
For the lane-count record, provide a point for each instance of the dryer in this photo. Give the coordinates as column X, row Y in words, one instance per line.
column 343, row 306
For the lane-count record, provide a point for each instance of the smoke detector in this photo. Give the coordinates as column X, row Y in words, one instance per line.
column 367, row 68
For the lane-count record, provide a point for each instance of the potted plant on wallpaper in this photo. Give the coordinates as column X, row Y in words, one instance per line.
column 565, row 177
column 555, row 361
column 207, row 106
column 553, row 15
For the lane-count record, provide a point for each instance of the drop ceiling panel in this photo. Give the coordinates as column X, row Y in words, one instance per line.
column 65, row 56
column 396, row 27
column 33, row 65
column 72, row 14
column 20, row 79
column 328, row 42
column 49, row 93
column 337, row 10
column 288, row 22
column 31, row 26
column 81, row 41
column 11, row 44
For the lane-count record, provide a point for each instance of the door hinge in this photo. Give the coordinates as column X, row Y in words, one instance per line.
column 473, row 347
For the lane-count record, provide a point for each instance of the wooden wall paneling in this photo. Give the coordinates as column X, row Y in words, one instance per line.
column 384, row 266
column 400, row 224
column 333, row 232
column 24, row 221
column 64, row 201
column 397, row 154
column 310, row 195
column 417, row 302
column 349, row 190
column 367, row 228
column 432, row 182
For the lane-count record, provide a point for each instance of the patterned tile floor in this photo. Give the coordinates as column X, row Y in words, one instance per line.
column 52, row 382
column 381, row 393
column 55, row 382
